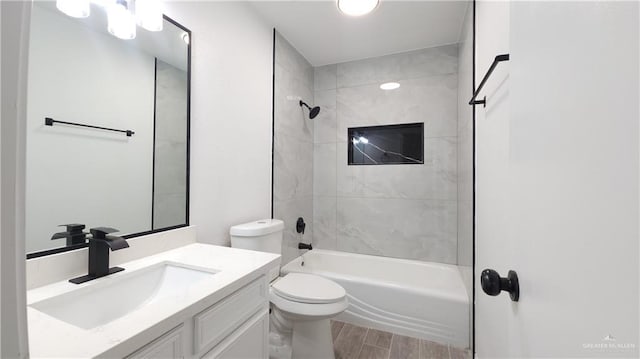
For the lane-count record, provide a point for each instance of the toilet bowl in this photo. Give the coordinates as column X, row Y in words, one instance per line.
column 302, row 304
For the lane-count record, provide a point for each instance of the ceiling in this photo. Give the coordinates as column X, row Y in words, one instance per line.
column 323, row 35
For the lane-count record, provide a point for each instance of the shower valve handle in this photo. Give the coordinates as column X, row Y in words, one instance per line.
column 300, row 225
column 493, row 284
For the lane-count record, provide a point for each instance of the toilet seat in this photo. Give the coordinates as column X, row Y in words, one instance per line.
column 308, row 288
column 308, row 297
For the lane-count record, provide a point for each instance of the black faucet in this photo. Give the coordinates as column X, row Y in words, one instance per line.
column 305, row 246
column 99, row 246
column 74, row 234
column 300, row 226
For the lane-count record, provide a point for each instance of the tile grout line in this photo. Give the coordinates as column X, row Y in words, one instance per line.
column 339, row 332
column 389, row 350
column 362, row 344
column 378, row 346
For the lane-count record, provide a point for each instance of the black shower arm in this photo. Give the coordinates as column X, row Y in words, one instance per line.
column 302, row 103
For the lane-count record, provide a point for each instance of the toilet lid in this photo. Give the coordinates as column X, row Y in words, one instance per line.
column 308, row 288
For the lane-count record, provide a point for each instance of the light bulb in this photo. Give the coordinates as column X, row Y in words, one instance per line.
column 121, row 23
column 357, row 7
column 390, row 86
column 355, row 141
column 74, row 8
column 149, row 14
column 363, row 139
column 185, row 38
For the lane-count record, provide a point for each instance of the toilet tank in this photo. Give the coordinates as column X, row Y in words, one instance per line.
column 264, row 235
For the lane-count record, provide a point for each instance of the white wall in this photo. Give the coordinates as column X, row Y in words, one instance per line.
column 465, row 141
column 230, row 115
column 465, row 157
column 77, row 175
column 557, row 180
column 15, row 34
column 492, row 38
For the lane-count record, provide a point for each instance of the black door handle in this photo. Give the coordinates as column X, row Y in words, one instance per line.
column 493, row 284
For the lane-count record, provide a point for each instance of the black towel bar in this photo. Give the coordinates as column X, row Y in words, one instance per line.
column 49, row 122
column 499, row 58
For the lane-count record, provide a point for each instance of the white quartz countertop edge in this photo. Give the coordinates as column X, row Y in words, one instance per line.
column 53, row 338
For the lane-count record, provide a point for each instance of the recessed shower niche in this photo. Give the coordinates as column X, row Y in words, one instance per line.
column 386, row 145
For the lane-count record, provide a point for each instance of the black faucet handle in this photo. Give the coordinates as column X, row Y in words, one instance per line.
column 300, row 225
column 73, row 228
column 74, row 234
column 101, row 232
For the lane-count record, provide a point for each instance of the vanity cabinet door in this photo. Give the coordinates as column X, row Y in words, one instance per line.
column 168, row 345
column 250, row 341
column 217, row 322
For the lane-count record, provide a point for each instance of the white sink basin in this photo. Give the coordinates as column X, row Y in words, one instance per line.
column 110, row 298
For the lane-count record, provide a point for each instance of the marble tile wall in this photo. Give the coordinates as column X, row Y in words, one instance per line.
column 405, row 211
column 293, row 146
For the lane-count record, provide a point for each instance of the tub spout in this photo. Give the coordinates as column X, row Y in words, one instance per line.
column 305, row 246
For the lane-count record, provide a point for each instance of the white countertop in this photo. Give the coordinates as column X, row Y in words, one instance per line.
column 50, row 337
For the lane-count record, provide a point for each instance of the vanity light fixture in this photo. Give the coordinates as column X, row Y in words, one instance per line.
column 74, row 8
column 121, row 22
column 390, row 86
column 122, row 15
column 149, row 14
column 357, row 7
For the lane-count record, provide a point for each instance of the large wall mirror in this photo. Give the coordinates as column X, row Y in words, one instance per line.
column 107, row 129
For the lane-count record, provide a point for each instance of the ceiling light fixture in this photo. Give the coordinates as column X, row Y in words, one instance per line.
column 390, row 86
column 360, row 139
column 357, row 7
column 74, row 8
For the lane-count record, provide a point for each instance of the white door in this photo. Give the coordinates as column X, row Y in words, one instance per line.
column 557, row 178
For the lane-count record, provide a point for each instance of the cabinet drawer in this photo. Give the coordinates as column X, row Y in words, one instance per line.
column 250, row 341
column 169, row 345
column 216, row 322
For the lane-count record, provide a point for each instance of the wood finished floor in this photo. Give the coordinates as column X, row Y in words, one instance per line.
column 354, row 342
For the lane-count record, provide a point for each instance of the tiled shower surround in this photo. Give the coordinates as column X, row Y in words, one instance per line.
column 293, row 146
column 404, row 211
column 170, row 178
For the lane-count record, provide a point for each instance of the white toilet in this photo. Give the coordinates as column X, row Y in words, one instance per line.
column 302, row 304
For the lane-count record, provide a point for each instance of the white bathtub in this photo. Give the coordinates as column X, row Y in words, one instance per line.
column 419, row 299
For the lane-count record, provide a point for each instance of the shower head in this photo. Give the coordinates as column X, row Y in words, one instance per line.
column 313, row 111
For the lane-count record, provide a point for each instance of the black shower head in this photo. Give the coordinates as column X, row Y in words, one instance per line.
column 313, row 111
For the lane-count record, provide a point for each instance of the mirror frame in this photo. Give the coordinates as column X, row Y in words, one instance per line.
column 188, row 184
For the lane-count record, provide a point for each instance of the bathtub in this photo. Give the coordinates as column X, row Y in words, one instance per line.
column 419, row 299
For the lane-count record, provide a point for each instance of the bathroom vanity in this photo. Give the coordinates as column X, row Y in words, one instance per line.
column 195, row 301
